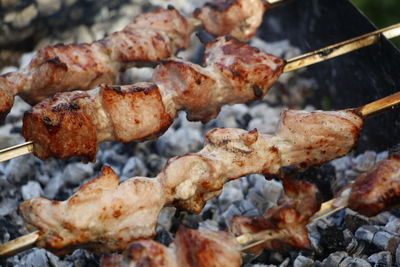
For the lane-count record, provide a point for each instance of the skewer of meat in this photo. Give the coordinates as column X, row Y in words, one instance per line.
column 285, row 226
column 372, row 192
column 106, row 216
column 150, row 37
column 235, row 73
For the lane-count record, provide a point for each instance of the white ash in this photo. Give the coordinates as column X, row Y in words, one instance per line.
column 302, row 261
column 31, row 189
column 133, row 167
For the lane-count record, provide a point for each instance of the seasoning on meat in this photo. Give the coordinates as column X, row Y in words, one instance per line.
column 235, row 73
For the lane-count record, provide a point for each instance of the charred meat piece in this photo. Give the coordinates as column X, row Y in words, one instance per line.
column 74, row 123
column 201, row 248
column 235, row 73
column 289, row 218
column 149, row 37
column 239, row 18
column 377, row 190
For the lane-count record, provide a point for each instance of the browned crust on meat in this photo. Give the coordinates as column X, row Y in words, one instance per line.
column 377, row 190
column 60, row 128
column 136, row 112
column 251, row 71
column 289, row 218
column 6, row 103
column 111, row 260
column 193, row 87
column 148, row 38
column 146, row 253
column 244, row 54
column 195, row 249
column 239, row 18
column 65, row 68
column 132, row 48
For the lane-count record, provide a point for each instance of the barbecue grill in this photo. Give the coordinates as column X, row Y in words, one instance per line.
column 351, row 80
column 348, row 81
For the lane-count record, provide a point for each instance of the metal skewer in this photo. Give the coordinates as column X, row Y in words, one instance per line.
column 341, row 48
column 16, row 151
column 379, row 105
column 292, row 64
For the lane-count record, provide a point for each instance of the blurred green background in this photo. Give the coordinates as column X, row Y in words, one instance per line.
column 382, row 13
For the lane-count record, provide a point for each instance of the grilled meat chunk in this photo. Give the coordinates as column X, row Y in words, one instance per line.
column 201, row 248
column 149, row 37
column 101, row 216
column 289, row 218
column 235, row 73
column 377, row 190
column 317, row 137
column 239, row 18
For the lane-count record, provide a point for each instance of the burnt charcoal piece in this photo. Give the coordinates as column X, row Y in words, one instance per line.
column 332, row 239
column 353, row 220
column 321, row 177
column 164, row 237
column 334, row 259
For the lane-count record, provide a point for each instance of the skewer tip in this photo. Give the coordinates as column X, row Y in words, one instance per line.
column 17, row 245
column 16, row 151
column 379, row 105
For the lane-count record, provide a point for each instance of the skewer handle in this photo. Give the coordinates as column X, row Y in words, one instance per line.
column 379, row 105
column 17, row 245
column 341, row 48
column 16, row 151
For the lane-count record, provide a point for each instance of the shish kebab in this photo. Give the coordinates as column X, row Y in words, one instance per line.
column 372, row 192
column 150, row 37
column 105, row 216
column 284, row 224
column 234, row 73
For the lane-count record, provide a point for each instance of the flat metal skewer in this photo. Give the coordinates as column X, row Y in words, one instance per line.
column 292, row 64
